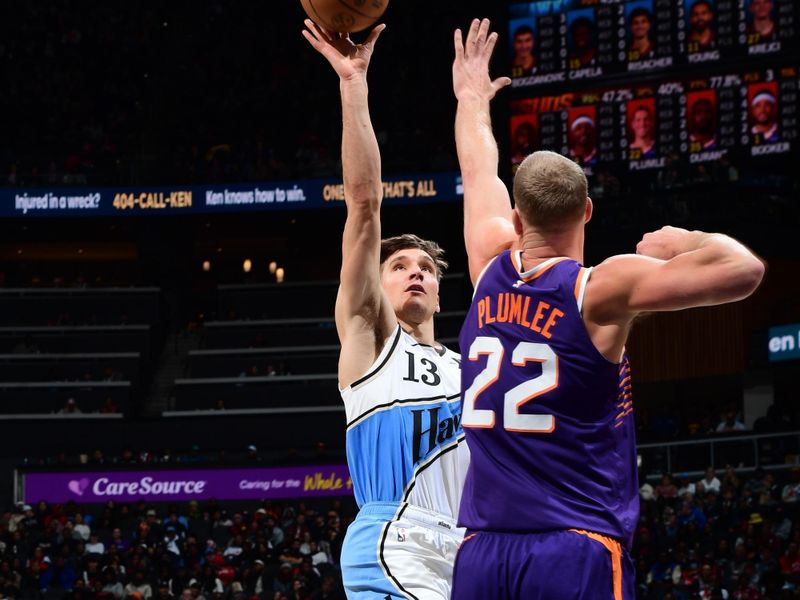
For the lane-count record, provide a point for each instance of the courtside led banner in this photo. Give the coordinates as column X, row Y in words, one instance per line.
column 187, row 484
column 208, row 199
column 784, row 342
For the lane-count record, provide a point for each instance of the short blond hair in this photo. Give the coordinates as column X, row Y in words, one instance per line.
column 550, row 191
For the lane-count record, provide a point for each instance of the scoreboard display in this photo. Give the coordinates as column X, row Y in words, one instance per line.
column 638, row 83
column 558, row 41
column 746, row 114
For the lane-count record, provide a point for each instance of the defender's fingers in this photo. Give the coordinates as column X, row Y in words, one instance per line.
column 490, row 45
column 472, row 36
column 483, row 32
column 459, row 43
column 501, row 82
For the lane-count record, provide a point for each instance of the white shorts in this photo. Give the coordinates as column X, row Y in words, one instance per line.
column 398, row 551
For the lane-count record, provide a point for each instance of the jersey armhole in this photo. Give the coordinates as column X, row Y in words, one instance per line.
column 482, row 273
column 380, row 362
column 580, row 286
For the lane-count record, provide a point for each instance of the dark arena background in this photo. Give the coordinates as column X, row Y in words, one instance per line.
column 171, row 212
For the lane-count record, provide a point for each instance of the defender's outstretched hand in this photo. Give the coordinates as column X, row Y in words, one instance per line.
column 347, row 59
column 471, row 65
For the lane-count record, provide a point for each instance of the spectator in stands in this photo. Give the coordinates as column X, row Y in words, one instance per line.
column 282, row 582
column 164, row 592
column 109, row 407
column 730, row 424
column 709, row 483
column 666, row 489
column 70, row 408
column 234, row 549
column 756, row 485
column 692, row 514
column 791, row 491
column 111, row 584
column 81, row 529
column 172, row 542
column 60, row 575
column 139, row 586
column 95, row 546
column 686, row 487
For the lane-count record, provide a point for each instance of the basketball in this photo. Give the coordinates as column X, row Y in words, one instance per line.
column 345, row 16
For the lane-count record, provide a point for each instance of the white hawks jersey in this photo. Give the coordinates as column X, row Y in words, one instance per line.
column 404, row 437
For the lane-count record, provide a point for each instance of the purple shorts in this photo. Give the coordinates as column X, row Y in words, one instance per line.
column 563, row 565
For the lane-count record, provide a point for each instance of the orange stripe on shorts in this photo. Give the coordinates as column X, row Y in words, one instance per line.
column 616, row 558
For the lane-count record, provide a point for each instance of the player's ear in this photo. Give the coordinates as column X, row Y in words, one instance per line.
column 438, row 306
column 589, row 210
column 517, row 220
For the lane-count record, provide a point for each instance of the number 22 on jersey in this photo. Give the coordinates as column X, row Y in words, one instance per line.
column 515, row 398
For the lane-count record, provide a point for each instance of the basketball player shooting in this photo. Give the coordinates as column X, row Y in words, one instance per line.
column 401, row 389
column 551, row 500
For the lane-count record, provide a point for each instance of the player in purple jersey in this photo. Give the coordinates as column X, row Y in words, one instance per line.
column 550, row 500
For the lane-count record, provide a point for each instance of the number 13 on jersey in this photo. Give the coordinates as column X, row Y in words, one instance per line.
column 515, row 398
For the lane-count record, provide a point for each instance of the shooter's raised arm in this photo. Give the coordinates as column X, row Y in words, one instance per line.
column 364, row 316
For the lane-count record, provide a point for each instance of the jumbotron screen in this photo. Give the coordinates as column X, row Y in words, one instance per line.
column 556, row 41
column 636, row 82
column 748, row 113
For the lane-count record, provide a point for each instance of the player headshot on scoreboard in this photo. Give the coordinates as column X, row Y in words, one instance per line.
column 700, row 16
column 523, row 40
column 639, row 17
column 762, row 112
column 642, row 128
column 701, row 120
column 581, row 38
column 582, row 135
column 760, row 21
column 524, row 136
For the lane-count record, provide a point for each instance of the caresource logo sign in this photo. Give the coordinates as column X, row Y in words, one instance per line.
column 164, row 486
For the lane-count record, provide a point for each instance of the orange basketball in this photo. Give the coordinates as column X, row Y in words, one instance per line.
column 344, row 15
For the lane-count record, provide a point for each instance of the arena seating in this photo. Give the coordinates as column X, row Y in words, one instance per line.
column 279, row 350
column 91, row 345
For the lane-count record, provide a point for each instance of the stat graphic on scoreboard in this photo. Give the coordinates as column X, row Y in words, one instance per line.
column 747, row 114
column 558, row 41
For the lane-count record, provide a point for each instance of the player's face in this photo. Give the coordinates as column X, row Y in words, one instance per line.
column 523, row 136
column 582, row 37
column 584, row 134
column 764, row 112
column 700, row 17
column 761, row 9
column 640, row 26
column 409, row 280
column 703, row 117
column 642, row 123
column 523, row 44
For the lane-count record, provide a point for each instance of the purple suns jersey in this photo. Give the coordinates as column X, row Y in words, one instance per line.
column 548, row 419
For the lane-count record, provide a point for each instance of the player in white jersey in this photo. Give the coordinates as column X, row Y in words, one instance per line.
column 405, row 445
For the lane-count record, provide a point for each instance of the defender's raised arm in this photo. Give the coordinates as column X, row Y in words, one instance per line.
column 488, row 225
